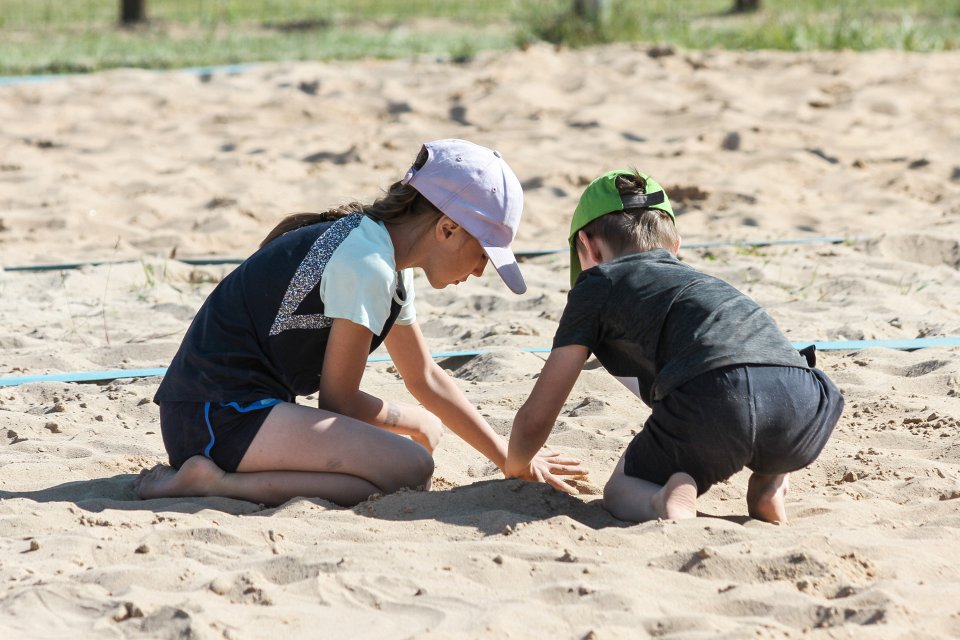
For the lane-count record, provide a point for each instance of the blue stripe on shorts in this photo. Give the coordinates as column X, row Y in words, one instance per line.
column 265, row 403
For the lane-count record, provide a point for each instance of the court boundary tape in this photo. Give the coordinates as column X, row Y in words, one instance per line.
column 838, row 345
column 208, row 70
column 531, row 253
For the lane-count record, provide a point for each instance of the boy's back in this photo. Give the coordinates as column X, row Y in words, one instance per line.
column 648, row 315
column 725, row 387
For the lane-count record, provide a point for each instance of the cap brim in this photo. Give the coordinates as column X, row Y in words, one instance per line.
column 575, row 268
column 505, row 263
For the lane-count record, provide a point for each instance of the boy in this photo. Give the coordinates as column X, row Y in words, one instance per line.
column 726, row 388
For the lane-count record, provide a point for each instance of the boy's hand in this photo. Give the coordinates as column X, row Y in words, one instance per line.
column 548, row 467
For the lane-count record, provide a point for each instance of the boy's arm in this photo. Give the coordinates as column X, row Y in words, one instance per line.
column 536, row 417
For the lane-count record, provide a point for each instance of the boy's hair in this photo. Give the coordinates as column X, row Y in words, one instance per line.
column 634, row 228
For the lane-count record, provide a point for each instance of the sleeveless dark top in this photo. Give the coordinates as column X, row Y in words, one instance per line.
column 262, row 332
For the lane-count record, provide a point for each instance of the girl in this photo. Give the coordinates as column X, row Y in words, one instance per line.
column 301, row 315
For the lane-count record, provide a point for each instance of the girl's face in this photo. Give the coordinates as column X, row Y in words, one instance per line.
column 458, row 256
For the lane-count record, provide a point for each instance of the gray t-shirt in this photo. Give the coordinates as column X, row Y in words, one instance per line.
column 650, row 316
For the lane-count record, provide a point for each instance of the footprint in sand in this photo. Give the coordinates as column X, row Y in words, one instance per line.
column 921, row 249
column 500, row 367
column 815, row 572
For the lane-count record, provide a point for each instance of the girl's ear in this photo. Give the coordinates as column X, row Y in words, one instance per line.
column 445, row 228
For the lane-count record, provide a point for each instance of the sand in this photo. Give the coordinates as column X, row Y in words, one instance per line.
column 153, row 167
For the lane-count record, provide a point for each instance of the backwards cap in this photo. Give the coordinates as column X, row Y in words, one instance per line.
column 474, row 187
column 602, row 197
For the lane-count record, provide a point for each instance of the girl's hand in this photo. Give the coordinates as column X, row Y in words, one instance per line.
column 428, row 433
column 420, row 425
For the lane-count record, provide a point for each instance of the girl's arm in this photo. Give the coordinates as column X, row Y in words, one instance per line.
column 343, row 366
column 534, row 421
column 431, row 386
column 439, row 394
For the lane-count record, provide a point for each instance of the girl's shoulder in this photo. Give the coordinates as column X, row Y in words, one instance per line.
column 368, row 245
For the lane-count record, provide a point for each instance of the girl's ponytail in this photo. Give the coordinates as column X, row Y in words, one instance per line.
column 398, row 204
column 296, row 220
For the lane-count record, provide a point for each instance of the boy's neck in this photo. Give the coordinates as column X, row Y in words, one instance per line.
column 633, row 252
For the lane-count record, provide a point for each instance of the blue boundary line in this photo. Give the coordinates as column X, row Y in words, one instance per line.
column 533, row 253
column 229, row 69
column 719, row 243
column 840, row 345
column 65, row 266
column 15, row 81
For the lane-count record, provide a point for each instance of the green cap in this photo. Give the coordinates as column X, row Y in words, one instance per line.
column 602, row 197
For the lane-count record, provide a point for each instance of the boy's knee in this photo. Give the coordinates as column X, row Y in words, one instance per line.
column 613, row 494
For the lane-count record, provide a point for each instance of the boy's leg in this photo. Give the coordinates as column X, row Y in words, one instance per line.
column 800, row 408
column 765, row 494
column 301, row 451
column 629, row 498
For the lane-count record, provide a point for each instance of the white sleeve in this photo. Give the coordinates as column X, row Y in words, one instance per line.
column 408, row 314
column 358, row 288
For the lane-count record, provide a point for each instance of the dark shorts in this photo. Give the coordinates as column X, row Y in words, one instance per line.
column 769, row 419
column 221, row 431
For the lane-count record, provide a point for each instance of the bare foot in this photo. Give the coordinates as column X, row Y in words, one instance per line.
column 196, row 477
column 677, row 500
column 765, row 497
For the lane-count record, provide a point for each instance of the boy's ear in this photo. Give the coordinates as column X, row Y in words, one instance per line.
column 591, row 246
column 676, row 245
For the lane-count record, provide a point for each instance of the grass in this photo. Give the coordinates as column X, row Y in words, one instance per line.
column 57, row 36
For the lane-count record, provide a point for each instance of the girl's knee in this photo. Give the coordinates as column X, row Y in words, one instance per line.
column 423, row 467
column 414, row 468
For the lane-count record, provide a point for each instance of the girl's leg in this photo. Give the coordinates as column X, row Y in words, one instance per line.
column 301, row 451
column 765, row 497
column 629, row 498
column 200, row 476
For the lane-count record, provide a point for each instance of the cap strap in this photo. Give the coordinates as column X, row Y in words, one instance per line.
column 642, row 200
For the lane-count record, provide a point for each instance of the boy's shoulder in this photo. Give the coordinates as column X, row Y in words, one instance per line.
column 656, row 278
column 622, row 281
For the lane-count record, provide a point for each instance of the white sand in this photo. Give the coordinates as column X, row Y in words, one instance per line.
column 144, row 165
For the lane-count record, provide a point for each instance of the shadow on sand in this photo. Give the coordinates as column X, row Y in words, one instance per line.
column 490, row 506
